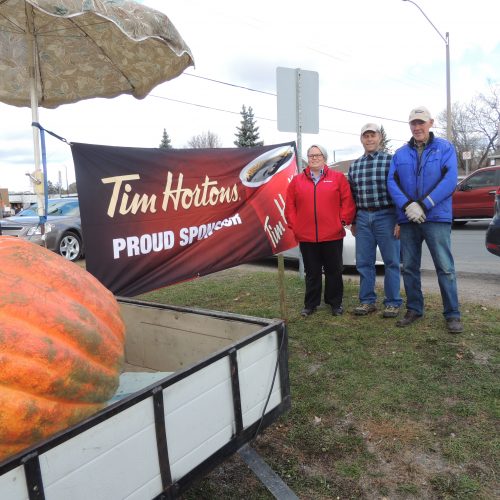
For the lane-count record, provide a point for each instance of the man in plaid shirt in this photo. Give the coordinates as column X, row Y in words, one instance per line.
column 375, row 224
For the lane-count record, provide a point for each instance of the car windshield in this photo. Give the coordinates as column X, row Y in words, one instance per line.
column 55, row 207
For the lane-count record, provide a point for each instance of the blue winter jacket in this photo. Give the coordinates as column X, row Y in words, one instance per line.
column 430, row 181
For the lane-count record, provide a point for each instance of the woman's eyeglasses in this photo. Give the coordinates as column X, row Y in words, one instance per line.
column 315, row 156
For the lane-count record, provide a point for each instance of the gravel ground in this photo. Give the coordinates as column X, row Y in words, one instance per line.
column 481, row 289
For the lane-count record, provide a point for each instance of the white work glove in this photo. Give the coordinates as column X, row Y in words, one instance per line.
column 415, row 213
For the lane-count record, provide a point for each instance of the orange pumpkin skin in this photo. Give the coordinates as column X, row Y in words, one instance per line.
column 61, row 344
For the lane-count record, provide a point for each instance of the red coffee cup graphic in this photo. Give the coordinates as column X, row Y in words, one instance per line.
column 265, row 180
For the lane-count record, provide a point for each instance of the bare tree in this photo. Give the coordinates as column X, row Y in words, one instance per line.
column 52, row 188
column 465, row 136
column 205, row 140
column 485, row 110
column 475, row 126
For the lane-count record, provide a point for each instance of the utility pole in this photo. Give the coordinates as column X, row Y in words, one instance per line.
column 446, row 40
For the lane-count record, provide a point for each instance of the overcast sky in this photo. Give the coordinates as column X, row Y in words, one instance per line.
column 375, row 59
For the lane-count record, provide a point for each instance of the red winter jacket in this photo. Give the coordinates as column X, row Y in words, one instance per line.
column 318, row 212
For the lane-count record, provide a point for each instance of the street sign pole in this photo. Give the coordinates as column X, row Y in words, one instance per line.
column 298, row 124
column 467, row 155
column 298, row 110
column 298, row 105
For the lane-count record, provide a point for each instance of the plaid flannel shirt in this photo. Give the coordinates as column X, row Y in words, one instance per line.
column 368, row 179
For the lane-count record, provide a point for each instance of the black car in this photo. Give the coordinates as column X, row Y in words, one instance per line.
column 493, row 231
column 62, row 232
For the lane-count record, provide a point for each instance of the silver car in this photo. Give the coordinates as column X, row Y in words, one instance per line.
column 348, row 253
column 62, row 231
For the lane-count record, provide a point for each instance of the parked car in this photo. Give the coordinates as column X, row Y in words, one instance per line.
column 474, row 196
column 493, row 231
column 348, row 253
column 62, row 231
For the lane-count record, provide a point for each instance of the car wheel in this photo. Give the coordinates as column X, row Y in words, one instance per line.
column 70, row 246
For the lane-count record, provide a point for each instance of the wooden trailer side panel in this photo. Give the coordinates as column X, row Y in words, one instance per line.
column 13, row 485
column 199, row 416
column 256, row 365
column 169, row 340
column 117, row 458
column 208, row 394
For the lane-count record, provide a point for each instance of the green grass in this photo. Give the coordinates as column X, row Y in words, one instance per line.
column 376, row 410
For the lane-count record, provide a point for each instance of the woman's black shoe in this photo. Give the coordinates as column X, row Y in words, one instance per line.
column 307, row 312
column 337, row 311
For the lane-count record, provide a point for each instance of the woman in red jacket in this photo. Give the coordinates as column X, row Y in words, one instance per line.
column 319, row 204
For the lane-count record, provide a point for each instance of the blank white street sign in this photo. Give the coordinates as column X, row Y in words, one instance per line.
column 288, row 82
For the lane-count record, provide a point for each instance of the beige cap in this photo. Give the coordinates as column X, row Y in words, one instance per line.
column 370, row 127
column 420, row 113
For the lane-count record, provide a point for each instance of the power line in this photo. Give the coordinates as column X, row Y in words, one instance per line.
column 274, row 95
column 230, row 84
column 256, row 117
column 208, row 107
column 363, row 114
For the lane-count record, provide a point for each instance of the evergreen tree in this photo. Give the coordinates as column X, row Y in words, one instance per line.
column 384, row 143
column 165, row 141
column 248, row 134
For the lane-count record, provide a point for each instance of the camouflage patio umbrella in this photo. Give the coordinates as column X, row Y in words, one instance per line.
column 55, row 52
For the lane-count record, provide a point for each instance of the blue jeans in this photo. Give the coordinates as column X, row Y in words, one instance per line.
column 372, row 229
column 437, row 236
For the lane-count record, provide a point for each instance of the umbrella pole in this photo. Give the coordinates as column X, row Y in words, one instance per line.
column 39, row 183
column 34, row 118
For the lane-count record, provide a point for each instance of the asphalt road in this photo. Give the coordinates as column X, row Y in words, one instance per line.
column 469, row 251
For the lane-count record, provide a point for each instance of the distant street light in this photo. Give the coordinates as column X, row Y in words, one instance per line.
column 446, row 40
column 67, row 186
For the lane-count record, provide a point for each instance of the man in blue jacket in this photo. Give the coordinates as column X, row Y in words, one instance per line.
column 421, row 181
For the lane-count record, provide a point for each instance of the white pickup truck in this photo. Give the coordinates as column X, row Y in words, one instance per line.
column 197, row 386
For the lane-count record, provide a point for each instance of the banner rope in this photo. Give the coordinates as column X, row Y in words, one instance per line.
column 43, row 218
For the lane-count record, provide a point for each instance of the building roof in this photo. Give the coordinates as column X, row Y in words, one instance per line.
column 341, row 166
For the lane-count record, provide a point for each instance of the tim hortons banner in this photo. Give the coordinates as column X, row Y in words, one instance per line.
column 154, row 217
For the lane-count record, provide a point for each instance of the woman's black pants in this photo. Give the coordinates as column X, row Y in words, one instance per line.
column 318, row 257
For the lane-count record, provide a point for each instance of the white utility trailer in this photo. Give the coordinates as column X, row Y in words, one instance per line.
column 213, row 380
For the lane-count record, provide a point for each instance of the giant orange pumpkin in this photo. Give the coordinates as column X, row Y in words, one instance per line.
column 61, row 344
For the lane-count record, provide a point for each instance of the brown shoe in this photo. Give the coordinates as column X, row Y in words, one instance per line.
column 409, row 318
